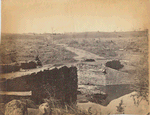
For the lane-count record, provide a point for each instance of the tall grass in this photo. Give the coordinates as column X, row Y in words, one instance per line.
column 61, row 108
column 141, row 75
column 142, row 80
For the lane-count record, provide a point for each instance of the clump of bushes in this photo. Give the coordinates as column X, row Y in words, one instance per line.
column 120, row 107
column 73, row 43
column 141, row 74
column 89, row 60
column 115, row 64
column 142, row 80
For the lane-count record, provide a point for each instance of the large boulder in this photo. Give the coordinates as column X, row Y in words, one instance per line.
column 16, row 107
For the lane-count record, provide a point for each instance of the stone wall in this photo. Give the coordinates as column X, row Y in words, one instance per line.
column 8, row 68
column 57, row 82
column 16, row 66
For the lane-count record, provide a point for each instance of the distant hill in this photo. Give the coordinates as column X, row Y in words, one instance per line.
column 94, row 34
column 98, row 34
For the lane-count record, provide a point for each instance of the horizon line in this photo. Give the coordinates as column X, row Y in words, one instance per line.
column 73, row 32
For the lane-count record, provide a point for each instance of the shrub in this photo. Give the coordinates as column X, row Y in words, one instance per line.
column 120, row 107
column 73, row 43
column 115, row 64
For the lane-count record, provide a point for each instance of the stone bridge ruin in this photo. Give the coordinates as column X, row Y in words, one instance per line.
column 60, row 82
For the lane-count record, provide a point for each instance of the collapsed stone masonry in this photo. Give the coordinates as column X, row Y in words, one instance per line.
column 60, row 82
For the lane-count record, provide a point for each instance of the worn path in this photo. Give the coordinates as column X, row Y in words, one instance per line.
column 82, row 54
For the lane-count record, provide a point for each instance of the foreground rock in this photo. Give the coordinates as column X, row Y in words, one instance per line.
column 16, row 107
column 127, row 104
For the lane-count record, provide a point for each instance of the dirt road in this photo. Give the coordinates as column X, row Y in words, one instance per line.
column 82, row 54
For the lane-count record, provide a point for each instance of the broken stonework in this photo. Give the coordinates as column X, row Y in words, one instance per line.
column 60, row 83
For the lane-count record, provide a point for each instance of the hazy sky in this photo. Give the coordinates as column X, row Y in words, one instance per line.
column 22, row 16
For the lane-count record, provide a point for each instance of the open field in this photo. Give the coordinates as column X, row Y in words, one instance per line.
column 89, row 52
column 15, row 48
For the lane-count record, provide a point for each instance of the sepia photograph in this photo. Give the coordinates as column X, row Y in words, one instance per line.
column 74, row 57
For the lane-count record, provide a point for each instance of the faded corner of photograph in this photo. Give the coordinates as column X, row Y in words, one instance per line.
column 74, row 57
